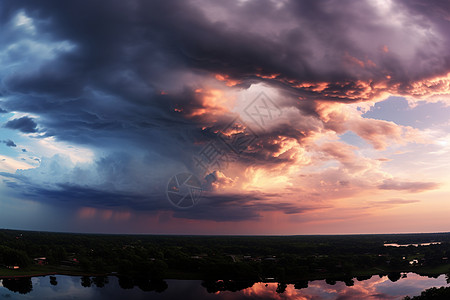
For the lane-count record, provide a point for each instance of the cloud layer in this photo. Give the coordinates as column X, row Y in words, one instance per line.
column 151, row 86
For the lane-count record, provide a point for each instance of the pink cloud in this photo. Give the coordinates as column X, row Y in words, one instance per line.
column 409, row 186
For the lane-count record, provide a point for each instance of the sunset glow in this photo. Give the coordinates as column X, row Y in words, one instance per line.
column 293, row 117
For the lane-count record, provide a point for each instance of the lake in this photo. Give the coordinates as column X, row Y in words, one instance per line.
column 70, row 287
column 407, row 245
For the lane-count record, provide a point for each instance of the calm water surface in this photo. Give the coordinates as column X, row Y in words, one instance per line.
column 69, row 287
column 407, row 245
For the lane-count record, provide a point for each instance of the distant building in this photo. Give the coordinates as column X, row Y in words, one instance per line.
column 40, row 260
column 70, row 262
column 270, row 258
column 414, row 262
column 13, row 267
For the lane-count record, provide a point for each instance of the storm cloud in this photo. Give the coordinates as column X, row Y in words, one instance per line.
column 146, row 85
column 24, row 124
column 9, row 143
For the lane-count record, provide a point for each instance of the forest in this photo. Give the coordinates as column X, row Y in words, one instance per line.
column 223, row 262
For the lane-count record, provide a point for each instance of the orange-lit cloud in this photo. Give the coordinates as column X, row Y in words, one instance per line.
column 207, row 104
column 229, row 82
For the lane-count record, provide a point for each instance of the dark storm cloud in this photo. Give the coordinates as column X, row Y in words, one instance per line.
column 76, row 195
column 238, row 207
column 98, row 89
column 340, row 42
column 95, row 72
column 9, row 143
column 220, row 208
column 108, row 82
column 24, row 124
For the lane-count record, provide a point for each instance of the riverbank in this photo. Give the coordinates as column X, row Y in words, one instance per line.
column 37, row 271
column 48, row 270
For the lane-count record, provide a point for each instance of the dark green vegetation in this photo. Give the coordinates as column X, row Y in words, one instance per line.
column 442, row 293
column 290, row 259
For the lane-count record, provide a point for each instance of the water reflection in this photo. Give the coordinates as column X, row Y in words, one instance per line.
column 384, row 287
column 19, row 285
column 53, row 280
column 100, row 281
column 86, row 281
column 407, row 245
column 393, row 286
column 214, row 286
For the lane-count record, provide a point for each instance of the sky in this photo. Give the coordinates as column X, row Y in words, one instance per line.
column 225, row 117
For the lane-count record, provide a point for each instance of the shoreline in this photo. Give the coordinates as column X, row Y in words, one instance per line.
column 193, row 276
column 61, row 273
